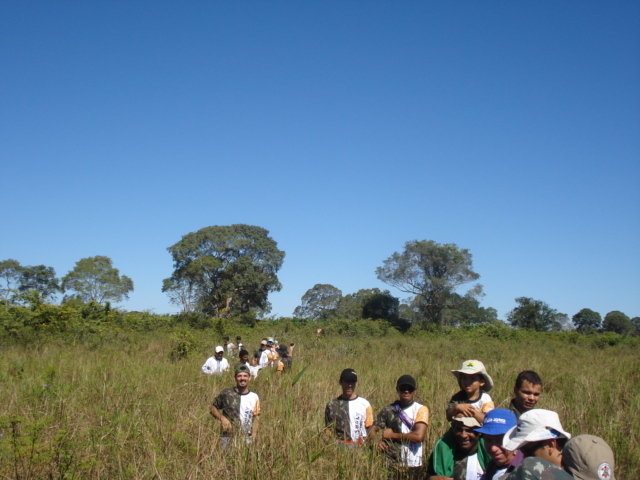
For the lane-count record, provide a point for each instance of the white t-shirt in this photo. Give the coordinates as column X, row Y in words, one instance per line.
column 215, row 366
column 411, row 453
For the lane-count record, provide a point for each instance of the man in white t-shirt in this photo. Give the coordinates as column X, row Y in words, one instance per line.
column 217, row 364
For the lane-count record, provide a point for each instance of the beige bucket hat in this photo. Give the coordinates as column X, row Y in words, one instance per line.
column 469, row 367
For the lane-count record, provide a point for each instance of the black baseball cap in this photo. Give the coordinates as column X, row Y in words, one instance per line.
column 349, row 374
column 406, row 381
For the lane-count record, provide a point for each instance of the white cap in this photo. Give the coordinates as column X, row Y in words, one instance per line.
column 534, row 426
column 219, row 349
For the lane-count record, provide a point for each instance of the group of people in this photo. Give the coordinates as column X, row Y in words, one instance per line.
column 483, row 443
column 269, row 354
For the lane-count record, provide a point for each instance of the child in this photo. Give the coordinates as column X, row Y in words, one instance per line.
column 472, row 400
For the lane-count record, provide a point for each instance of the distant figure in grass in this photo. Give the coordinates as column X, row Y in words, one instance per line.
column 541, row 439
column 472, row 400
column 497, row 422
column 261, row 355
column 526, row 392
column 239, row 344
column 404, row 425
column 587, row 457
column 230, row 346
column 349, row 417
column 217, row 364
column 283, row 364
column 465, row 458
column 237, row 409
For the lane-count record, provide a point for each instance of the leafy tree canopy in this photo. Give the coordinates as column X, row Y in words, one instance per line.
column 617, row 322
column 432, row 272
column 10, row 276
column 319, row 302
column 587, row 321
column 19, row 280
column 226, row 269
column 534, row 314
column 95, row 279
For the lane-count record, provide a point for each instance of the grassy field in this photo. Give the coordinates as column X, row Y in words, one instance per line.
column 125, row 409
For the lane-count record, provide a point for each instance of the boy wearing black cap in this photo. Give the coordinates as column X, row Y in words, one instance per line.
column 404, row 425
column 348, row 417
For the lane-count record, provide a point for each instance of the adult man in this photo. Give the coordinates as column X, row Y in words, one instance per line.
column 349, row 417
column 283, row 364
column 466, row 458
column 540, row 437
column 587, row 457
column 237, row 408
column 404, row 425
column 217, row 364
column 496, row 423
column 526, row 392
column 261, row 356
column 231, row 347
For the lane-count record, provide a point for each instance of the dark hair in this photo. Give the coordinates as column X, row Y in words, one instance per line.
column 530, row 376
column 243, row 352
column 529, row 449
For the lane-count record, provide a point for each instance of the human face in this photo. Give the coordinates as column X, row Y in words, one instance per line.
column 348, row 389
column 466, row 438
column 244, row 358
column 242, row 380
column 406, row 394
column 471, row 384
column 527, row 396
column 500, row 455
column 219, row 355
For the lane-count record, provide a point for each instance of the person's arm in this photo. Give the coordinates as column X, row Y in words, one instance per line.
column 416, row 435
column 226, row 424
column 329, row 423
column 464, row 409
column 291, row 347
column 254, row 427
column 206, row 368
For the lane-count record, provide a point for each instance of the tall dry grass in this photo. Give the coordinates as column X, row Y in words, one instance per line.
column 125, row 410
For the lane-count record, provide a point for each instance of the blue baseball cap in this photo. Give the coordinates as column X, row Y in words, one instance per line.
column 497, row 422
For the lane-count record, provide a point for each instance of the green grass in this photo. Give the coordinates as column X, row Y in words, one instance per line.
column 124, row 409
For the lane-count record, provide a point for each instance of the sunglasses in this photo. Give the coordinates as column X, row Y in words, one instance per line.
column 406, row 388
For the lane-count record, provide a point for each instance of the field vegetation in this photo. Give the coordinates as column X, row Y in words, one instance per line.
column 93, row 393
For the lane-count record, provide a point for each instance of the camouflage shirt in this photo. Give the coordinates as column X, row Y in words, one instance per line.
column 349, row 419
column 535, row 468
column 238, row 408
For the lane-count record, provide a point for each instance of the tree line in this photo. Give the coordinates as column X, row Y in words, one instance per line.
column 229, row 271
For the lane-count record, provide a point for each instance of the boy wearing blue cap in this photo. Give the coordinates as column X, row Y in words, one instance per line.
column 496, row 423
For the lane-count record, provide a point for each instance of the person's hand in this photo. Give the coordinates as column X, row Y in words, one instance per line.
column 382, row 445
column 466, row 409
column 387, row 434
column 226, row 424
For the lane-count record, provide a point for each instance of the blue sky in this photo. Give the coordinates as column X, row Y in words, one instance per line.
column 344, row 128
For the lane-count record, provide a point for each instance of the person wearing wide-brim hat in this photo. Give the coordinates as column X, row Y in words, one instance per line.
column 540, row 437
column 285, row 360
column 472, row 400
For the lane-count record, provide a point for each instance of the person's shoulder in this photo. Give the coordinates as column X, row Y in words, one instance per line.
column 535, row 468
column 459, row 397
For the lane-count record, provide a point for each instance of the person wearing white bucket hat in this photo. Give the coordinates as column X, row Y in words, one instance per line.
column 540, row 437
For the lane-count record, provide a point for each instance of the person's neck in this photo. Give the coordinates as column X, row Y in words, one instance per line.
column 474, row 396
column 242, row 390
column 352, row 396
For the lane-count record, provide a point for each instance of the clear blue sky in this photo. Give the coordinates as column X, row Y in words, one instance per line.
column 344, row 128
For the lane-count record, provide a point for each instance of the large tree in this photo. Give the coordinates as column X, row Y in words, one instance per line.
column 232, row 269
column 96, row 279
column 535, row 315
column 617, row 322
column 10, row 271
column 587, row 321
column 319, row 302
column 41, row 279
column 432, row 272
